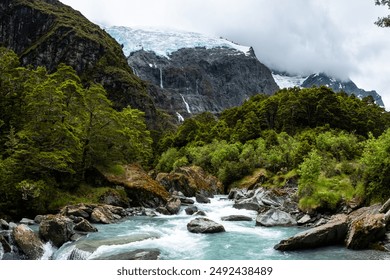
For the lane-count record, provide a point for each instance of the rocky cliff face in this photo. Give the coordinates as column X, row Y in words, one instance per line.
column 195, row 80
column 47, row 33
column 190, row 73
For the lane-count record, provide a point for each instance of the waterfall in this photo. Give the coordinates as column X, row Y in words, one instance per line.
column 1, row 252
column 134, row 71
column 185, row 102
column 78, row 254
column 48, row 251
column 179, row 117
column 161, row 79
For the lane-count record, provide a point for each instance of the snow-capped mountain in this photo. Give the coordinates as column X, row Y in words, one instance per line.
column 190, row 73
column 285, row 80
column 165, row 42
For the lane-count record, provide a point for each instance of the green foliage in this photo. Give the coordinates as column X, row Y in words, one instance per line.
column 54, row 130
column 376, row 167
column 167, row 160
column 383, row 21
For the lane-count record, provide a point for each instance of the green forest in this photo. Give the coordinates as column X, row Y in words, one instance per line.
column 56, row 130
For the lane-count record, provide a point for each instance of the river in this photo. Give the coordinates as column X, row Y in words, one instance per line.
column 169, row 234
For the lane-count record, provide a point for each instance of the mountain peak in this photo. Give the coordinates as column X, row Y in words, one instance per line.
column 285, row 80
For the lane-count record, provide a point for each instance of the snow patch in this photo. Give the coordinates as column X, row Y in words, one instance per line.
column 284, row 81
column 165, row 42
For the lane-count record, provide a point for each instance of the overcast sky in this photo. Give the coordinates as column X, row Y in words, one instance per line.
column 299, row 36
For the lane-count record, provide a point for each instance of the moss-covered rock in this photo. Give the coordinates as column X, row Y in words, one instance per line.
column 139, row 186
column 190, row 180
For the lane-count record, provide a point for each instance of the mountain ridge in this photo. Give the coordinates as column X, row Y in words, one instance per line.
column 286, row 80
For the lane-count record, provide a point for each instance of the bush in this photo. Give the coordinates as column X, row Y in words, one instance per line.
column 167, row 160
column 376, row 167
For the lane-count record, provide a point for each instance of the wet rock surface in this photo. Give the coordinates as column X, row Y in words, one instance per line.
column 204, row 225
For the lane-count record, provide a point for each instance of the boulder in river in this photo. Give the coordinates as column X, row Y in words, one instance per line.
column 173, row 205
column 364, row 230
column 140, row 254
column 275, row 217
column 236, row 218
column 28, row 242
column 191, row 210
column 200, row 198
column 84, row 226
column 332, row 233
column 204, row 225
column 57, row 229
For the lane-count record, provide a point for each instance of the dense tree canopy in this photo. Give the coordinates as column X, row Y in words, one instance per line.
column 53, row 129
column 314, row 133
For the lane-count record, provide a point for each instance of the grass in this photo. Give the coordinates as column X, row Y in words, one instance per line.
column 326, row 194
column 83, row 194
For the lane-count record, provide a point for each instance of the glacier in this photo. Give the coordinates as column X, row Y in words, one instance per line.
column 166, row 41
column 286, row 81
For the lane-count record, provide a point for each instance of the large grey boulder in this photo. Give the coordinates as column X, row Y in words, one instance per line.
column 365, row 230
column 332, row 233
column 275, row 217
column 28, row 242
column 173, row 205
column 57, row 229
column 204, row 225
column 200, row 198
column 84, row 226
column 191, row 210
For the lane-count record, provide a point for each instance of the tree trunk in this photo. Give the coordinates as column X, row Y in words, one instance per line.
column 385, row 207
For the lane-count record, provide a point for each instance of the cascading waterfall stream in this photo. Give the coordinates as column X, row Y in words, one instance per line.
column 161, row 79
column 185, row 102
column 179, row 117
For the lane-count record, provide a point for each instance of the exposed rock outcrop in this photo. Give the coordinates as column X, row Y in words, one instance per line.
column 204, row 225
column 190, row 180
column 140, row 187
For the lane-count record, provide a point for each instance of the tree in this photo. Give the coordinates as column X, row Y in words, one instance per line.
column 383, row 21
